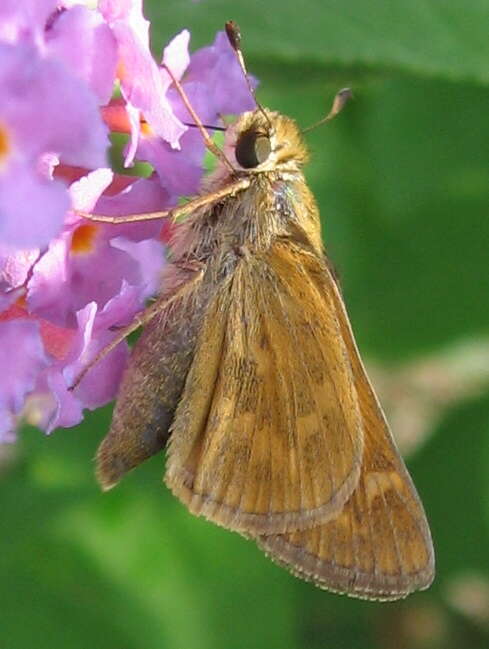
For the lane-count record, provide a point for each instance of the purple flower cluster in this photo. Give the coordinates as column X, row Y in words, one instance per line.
column 66, row 284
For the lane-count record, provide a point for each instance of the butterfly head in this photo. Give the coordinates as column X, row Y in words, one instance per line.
column 263, row 141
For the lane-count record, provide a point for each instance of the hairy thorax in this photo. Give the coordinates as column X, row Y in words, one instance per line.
column 275, row 205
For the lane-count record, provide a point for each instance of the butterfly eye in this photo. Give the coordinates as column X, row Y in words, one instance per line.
column 252, row 149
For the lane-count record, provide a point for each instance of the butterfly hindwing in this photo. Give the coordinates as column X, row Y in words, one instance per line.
column 379, row 546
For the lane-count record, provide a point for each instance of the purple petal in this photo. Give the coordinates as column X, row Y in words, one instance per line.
column 100, row 384
column 35, row 91
column 149, row 255
column 22, row 353
column 32, row 208
column 180, row 172
column 24, row 20
column 202, row 102
column 15, row 266
column 176, row 57
column 121, row 309
column 9, row 297
column 63, row 281
column 130, row 11
column 134, row 115
column 217, row 68
column 45, row 295
column 89, row 262
column 86, row 191
column 142, row 85
column 81, row 39
column 64, row 408
column 144, row 195
column 59, row 406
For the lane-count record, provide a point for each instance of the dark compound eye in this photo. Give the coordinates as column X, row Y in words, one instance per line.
column 252, row 149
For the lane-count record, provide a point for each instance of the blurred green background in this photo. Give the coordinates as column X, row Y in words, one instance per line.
column 402, row 179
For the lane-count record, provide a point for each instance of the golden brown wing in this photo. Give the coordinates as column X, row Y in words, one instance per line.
column 267, row 437
column 379, row 546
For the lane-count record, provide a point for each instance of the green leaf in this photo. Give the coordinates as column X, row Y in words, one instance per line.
column 426, row 37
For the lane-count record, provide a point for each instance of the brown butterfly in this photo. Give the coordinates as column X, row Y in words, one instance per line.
column 247, row 370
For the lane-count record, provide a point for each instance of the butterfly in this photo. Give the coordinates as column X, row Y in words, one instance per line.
column 248, row 373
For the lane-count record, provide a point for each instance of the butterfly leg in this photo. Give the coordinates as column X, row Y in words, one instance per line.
column 139, row 320
column 175, row 212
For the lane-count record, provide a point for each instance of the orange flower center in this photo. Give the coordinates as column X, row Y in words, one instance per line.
column 121, row 71
column 146, row 128
column 5, row 145
column 83, row 239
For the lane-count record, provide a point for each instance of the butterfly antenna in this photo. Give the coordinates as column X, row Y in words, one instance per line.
column 234, row 36
column 341, row 98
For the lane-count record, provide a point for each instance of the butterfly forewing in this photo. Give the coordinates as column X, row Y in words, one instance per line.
column 265, row 443
column 379, row 546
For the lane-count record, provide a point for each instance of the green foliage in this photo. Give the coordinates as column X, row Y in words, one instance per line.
column 402, row 179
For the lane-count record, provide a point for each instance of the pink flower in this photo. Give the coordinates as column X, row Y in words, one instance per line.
column 82, row 40
column 43, row 109
column 90, row 261
column 67, row 284
column 141, row 81
column 22, row 352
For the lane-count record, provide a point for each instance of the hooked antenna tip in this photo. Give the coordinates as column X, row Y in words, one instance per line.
column 341, row 98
